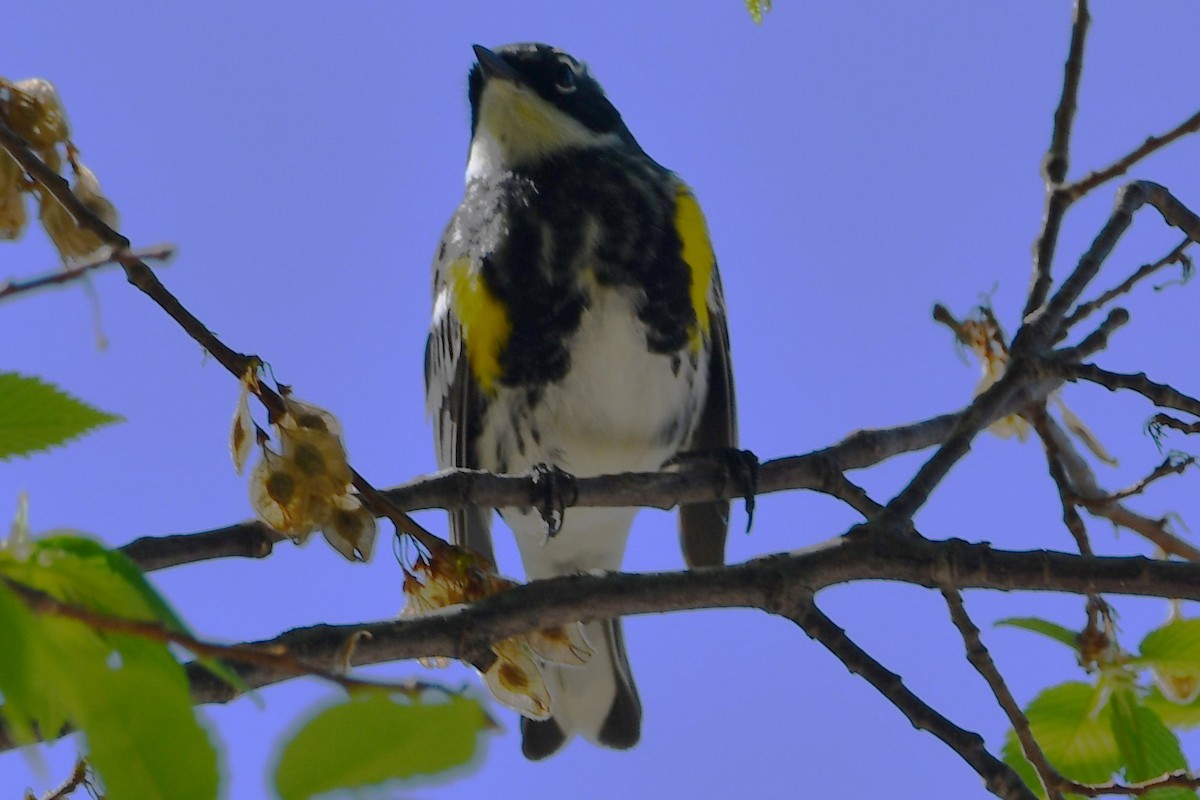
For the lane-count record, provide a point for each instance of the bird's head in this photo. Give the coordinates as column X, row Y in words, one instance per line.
column 532, row 101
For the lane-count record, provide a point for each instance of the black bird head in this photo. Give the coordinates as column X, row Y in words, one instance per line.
column 529, row 101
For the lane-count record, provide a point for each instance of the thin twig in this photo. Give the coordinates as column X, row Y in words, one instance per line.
column 1161, row 394
column 1084, row 309
column 1056, row 163
column 77, row 778
column 15, row 287
column 1076, row 190
column 1097, row 340
column 1166, row 421
column 1173, row 465
column 1056, row 446
column 1078, row 485
column 981, row 659
column 999, row 778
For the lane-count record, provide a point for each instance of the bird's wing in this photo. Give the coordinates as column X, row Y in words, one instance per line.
column 455, row 403
column 703, row 526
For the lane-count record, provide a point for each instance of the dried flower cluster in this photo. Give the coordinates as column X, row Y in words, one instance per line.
column 455, row 577
column 982, row 335
column 32, row 108
column 305, row 486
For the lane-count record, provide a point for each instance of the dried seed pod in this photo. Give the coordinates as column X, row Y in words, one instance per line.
column 74, row 242
column 35, row 112
column 565, row 644
column 515, row 679
column 351, row 529
column 281, row 497
column 13, row 216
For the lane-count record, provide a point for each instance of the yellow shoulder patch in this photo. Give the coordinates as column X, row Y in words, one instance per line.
column 697, row 254
column 484, row 319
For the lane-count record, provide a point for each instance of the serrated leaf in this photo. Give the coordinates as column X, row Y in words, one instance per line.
column 1075, row 734
column 35, row 415
column 373, row 738
column 1045, row 627
column 1148, row 748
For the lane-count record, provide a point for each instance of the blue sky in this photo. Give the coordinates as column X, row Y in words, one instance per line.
column 857, row 163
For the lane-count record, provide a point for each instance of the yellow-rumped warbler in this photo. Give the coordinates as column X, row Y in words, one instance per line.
column 578, row 323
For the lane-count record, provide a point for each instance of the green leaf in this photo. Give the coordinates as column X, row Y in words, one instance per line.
column 373, row 738
column 1177, row 642
column 1148, row 748
column 128, row 695
column 1173, row 714
column 757, row 8
column 23, row 699
column 35, row 415
column 1045, row 627
column 1075, row 734
column 86, row 573
column 142, row 734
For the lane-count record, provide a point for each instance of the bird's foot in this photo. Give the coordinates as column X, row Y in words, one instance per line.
column 553, row 490
column 737, row 466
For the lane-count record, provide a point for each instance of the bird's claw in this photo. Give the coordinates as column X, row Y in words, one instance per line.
column 739, row 466
column 551, row 488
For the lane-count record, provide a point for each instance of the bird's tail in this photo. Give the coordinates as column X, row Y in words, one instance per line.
column 597, row 700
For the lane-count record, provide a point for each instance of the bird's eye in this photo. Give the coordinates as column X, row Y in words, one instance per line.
column 565, row 81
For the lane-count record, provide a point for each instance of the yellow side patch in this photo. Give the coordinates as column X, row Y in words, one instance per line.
column 698, row 255
column 484, row 319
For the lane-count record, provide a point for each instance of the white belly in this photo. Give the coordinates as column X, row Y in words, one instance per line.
column 620, row 408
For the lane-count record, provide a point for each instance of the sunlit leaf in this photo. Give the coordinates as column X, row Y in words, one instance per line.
column 1173, row 654
column 128, row 695
column 35, row 415
column 1173, row 714
column 23, row 700
column 1075, row 735
column 1148, row 748
column 374, row 737
column 142, row 734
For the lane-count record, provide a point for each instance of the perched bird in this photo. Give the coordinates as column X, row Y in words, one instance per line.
column 579, row 324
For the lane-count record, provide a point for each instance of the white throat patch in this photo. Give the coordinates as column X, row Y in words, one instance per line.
column 515, row 125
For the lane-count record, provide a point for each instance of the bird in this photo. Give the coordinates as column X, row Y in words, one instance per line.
column 578, row 325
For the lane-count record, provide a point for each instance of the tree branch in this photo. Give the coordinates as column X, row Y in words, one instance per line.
column 762, row 583
column 698, row 481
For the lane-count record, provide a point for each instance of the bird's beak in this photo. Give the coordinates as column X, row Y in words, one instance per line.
column 494, row 66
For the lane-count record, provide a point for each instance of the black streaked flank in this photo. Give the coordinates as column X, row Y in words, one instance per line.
column 510, row 222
